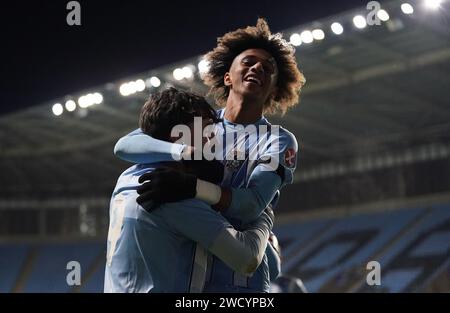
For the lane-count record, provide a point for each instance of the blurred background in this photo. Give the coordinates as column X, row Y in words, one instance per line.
column 373, row 125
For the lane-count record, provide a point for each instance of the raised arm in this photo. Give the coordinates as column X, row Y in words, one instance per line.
column 137, row 147
column 244, row 204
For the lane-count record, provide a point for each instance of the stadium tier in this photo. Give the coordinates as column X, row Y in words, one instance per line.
column 329, row 254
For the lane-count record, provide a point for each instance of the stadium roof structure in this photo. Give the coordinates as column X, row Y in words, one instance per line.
column 375, row 97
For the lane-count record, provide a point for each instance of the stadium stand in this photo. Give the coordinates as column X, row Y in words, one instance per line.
column 12, row 258
column 411, row 245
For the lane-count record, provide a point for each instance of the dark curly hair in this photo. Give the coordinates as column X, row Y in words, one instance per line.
column 230, row 45
column 170, row 107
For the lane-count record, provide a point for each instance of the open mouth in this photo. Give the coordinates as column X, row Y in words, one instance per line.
column 253, row 79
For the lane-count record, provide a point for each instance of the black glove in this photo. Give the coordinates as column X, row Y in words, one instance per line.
column 165, row 185
column 211, row 171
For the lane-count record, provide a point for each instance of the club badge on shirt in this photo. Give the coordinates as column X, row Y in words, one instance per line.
column 289, row 157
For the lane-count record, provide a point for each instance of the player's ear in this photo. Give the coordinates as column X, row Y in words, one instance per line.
column 227, row 79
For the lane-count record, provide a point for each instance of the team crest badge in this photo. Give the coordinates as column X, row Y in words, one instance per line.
column 289, row 157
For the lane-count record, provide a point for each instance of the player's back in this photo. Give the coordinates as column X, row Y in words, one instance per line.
column 145, row 254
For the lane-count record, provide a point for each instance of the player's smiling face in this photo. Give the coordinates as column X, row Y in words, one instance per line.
column 254, row 74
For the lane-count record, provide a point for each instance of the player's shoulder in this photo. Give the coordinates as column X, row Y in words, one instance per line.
column 284, row 135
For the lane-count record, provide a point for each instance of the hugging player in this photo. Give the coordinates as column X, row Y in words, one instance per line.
column 251, row 72
column 158, row 251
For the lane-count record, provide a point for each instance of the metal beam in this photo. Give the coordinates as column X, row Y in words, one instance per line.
column 380, row 70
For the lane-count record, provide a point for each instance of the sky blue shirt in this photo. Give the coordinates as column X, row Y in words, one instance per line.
column 253, row 187
column 142, row 246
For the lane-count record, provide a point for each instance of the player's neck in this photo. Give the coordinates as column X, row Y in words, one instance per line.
column 242, row 111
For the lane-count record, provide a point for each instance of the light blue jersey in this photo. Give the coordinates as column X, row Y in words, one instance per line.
column 155, row 252
column 254, row 186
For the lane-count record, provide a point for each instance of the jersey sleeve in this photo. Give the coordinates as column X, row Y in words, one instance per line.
column 275, row 168
column 241, row 250
column 248, row 203
column 137, row 147
column 194, row 219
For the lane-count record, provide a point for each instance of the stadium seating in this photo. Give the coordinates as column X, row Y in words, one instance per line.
column 411, row 246
column 12, row 258
column 328, row 254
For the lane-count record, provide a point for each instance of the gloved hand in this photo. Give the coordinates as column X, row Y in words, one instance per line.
column 165, row 185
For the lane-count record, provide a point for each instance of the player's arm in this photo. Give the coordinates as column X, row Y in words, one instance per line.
column 240, row 250
column 245, row 204
column 170, row 185
column 137, row 147
column 274, row 169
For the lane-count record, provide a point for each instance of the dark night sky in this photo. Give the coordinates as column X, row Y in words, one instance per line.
column 43, row 58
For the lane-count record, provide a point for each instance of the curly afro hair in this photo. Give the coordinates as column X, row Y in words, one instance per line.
column 290, row 79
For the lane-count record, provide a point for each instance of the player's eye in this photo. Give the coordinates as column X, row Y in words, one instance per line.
column 247, row 62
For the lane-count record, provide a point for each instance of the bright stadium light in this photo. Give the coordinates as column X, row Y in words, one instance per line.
column 187, row 72
column 178, row 74
column 318, row 34
column 306, row 36
column 203, row 66
column 124, row 89
column 132, row 87
column 383, row 15
column 90, row 99
column 139, row 85
column 97, row 98
column 407, row 8
column 153, row 81
column 70, row 105
column 83, row 102
column 57, row 109
column 337, row 28
column 295, row 39
column 433, row 4
column 359, row 21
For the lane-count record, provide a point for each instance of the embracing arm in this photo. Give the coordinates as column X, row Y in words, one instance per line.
column 169, row 185
column 137, row 147
column 274, row 170
column 241, row 203
column 241, row 250
column 246, row 204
